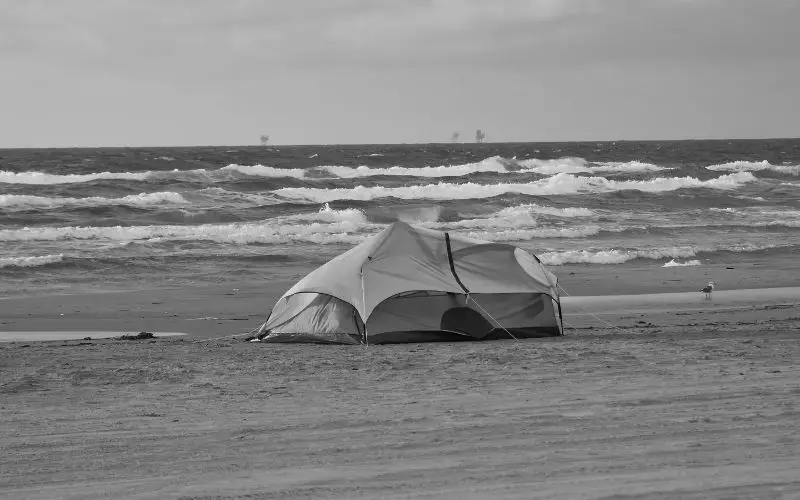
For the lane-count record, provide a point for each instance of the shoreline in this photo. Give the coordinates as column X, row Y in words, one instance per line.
column 210, row 313
column 658, row 294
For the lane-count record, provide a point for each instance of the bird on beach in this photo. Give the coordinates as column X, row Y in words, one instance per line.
column 708, row 289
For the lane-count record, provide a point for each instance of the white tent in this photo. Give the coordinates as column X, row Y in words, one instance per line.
column 410, row 284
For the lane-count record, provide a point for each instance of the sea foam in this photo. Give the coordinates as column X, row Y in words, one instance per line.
column 34, row 261
column 571, row 165
column 270, row 231
column 14, row 201
column 522, row 222
column 502, row 235
column 263, row 171
column 613, row 256
column 619, row 256
column 327, row 214
column 492, row 164
column 675, row 263
column 557, row 184
column 45, row 178
column 751, row 166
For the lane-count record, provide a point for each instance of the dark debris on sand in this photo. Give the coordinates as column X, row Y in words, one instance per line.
column 138, row 336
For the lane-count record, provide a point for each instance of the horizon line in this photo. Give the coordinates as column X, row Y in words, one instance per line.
column 465, row 143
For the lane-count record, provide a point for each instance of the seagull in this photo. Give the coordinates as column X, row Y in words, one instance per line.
column 708, row 289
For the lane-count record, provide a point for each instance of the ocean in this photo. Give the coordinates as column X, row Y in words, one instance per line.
column 133, row 218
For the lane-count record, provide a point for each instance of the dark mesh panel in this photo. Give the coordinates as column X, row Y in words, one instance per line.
column 466, row 321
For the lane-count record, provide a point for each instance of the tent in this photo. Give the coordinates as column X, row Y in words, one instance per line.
column 412, row 284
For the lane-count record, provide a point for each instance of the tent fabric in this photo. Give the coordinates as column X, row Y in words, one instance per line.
column 525, row 315
column 405, row 280
column 317, row 313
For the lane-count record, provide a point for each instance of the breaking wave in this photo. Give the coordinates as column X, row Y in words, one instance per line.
column 201, row 174
column 675, row 263
column 521, row 223
column 259, row 170
column 325, row 226
column 612, row 256
column 30, row 261
column 239, row 233
column 627, row 167
column 492, row 164
column 45, row 178
column 142, row 200
column 327, row 214
column 761, row 216
column 570, row 165
column 558, row 184
column 525, row 234
column 616, row 256
column 751, row 166
column 533, row 208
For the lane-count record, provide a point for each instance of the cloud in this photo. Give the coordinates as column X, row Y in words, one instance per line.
column 274, row 30
column 182, row 35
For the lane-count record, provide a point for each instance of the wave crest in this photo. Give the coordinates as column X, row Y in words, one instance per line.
column 267, row 232
column 573, row 165
column 613, row 256
column 141, row 200
column 262, row 171
column 557, row 184
column 495, row 164
column 45, row 178
column 34, row 261
column 752, row 166
column 675, row 263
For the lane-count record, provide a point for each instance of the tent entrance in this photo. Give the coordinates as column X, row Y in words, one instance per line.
column 429, row 316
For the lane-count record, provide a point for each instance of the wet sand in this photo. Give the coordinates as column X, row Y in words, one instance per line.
column 668, row 396
column 238, row 307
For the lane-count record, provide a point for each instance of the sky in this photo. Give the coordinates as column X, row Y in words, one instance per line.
column 223, row 72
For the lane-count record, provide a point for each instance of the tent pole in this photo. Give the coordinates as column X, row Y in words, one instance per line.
column 363, row 307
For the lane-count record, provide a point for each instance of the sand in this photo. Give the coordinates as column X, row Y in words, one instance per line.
column 654, row 393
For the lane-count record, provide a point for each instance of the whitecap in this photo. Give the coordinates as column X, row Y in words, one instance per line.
column 502, row 235
column 752, row 166
column 264, row 171
column 574, row 165
column 612, row 256
column 534, row 208
column 211, row 175
column 34, row 261
column 268, row 231
column 492, row 164
column 675, row 263
column 557, row 184
column 327, row 214
column 45, row 178
column 627, row 167
column 15, row 201
column 566, row 165
column 521, row 222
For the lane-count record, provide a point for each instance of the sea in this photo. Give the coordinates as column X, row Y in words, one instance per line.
column 150, row 217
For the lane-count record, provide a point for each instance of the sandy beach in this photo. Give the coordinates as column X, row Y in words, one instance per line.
column 647, row 396
column 169, row 170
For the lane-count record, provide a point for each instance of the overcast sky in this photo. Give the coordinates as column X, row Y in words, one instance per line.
column 203, row 72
